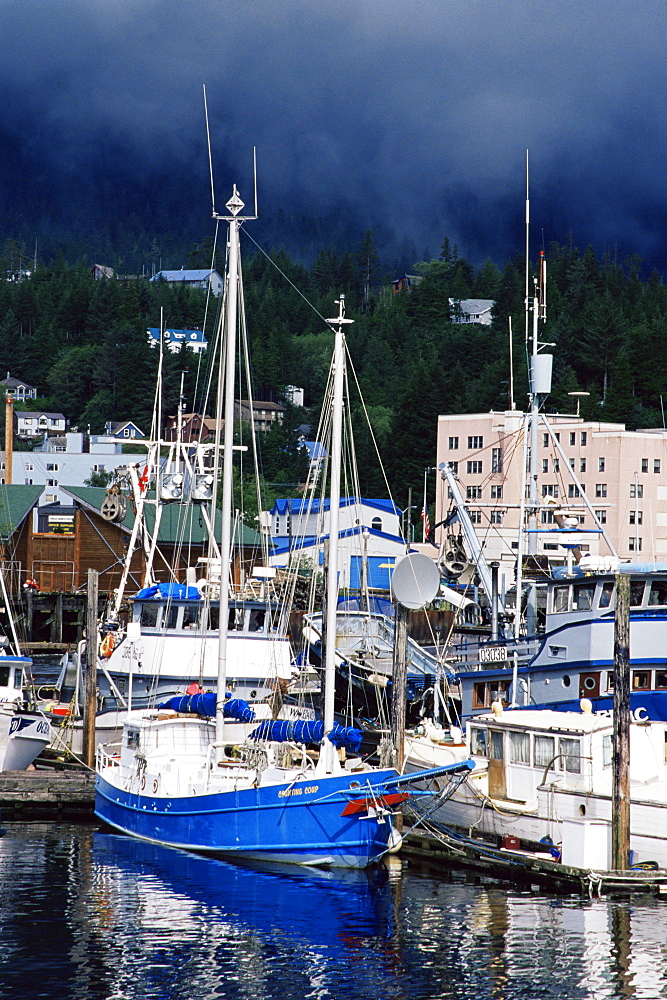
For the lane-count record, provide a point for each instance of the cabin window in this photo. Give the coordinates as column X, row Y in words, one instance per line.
column 570, row 751
column 560, row 600
column 495, row 745
column 235, row 623
column 545, row 751
column 478, row 741
column 190, row 616
column 636, row 593
column 257, row 617
column 148, row 617
column 519, row 748
column 376, row 524
column 479, row 695
column 641, row 680
column 4, row 676
column 606, row 594
column 658, row 593
column 133, row 738
column 661, row 678
column 214, row 618
column 583, row 597
column 607, row 751
column 170, row 616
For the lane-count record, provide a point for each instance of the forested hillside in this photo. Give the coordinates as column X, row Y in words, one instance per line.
column 83, row 344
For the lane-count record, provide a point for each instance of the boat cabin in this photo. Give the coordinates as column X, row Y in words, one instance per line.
column 251, row 617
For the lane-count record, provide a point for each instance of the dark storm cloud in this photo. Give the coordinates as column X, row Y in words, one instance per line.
column 416, row 115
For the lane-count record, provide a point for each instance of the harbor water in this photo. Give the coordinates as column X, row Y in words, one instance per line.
column 89, row 915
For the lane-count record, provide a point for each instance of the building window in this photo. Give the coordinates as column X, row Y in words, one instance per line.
column 582, row 465
column 474, row 492
column 573, row 491
column 573, row 437
column 496, row 460
column 549, row 490
column 376, row 524
column 454, row 466
column 545, row 440
column 550, row 546
column 571, row 460
column 475, row 516
column 558, row 436
column 600, row 489
column 496, row 492
column 475, row 441
column 656, row 465
column 475, row 468
column 635, row 544
column 51, row 482
column 453, row 443
column 636, row 516
column 644, row 464
column 583, row 439
column 497, row 516
column 28, row 482
column 545, row 465
column 601, row 516
column 556, row 465
column 29, row 467
column 547, row 517
column 636, row 490
column 50, row 467
column 600, row 464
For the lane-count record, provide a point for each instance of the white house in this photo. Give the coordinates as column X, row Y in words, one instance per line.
column 36, row 423
column 18, row 388
column 202, row 278
column 471, row 311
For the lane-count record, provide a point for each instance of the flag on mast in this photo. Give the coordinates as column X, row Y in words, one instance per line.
column 426, row 523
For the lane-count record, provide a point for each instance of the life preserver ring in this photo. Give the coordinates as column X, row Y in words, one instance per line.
column 107, row 646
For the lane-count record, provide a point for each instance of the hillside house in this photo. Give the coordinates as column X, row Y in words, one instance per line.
column 202, row 278
column 17, row 388
column 471, row 311
column 174, row 340
column 37, row 423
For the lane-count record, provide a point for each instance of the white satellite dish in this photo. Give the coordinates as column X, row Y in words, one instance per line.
column 415, row 581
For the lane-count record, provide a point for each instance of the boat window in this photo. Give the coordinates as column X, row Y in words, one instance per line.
column 214, row 617
column 256, row 623
column 149, row 615
column 582, row 597
column 376, row 524
column 495, row 745
column 570, row 751
column 636, row 592
column 191, row 616
column 133, row 738
column 606, row 594
column 519, row 748
column 607, row 751
column 560, row 601
column 661, row 678
column 641, row 680
column 478, row 741
column 479, row 695
column 545, row 751
column 658, row 593
column 4, row 677
column 170, row 616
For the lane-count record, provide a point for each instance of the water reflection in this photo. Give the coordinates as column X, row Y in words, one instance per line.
column 91, row 915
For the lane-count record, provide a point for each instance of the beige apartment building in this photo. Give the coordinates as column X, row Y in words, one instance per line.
column 623, row 474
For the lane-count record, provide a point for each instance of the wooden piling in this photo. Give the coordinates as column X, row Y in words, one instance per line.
column 90, row 674
column 620, row 815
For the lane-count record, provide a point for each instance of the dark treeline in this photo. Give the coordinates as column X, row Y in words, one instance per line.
column 83, row 344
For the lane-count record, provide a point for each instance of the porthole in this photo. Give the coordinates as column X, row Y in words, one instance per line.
column 582, row 810
column 589, row 683
column 567, row 680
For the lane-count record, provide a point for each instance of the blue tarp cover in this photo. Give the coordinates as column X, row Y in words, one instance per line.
column 177, row 591
column 307, row 731
column 205, row 704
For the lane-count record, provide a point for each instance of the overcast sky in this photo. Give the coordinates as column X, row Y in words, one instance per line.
column 413, row 114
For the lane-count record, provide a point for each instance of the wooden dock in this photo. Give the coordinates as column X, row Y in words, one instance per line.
column 436, row 846
column 47, row 794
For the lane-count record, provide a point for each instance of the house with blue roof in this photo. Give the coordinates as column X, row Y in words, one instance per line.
column 173, row 340
column 298, row 528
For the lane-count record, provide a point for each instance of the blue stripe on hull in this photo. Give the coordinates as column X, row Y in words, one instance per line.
column 255, row 823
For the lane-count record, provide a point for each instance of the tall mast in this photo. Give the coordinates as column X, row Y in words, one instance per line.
column 334, row 510
column 234, row 220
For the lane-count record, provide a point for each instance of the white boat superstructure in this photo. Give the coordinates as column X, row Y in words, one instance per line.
column 23, row 733
column 545, row 777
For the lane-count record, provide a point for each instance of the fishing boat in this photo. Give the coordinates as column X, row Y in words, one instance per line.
column 24, row 732
column 543, row 781
column 283, row 794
